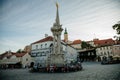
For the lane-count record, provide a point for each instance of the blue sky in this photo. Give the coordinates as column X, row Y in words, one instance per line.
column 25, row 21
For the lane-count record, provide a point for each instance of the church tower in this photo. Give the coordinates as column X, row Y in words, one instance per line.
column 66, row 35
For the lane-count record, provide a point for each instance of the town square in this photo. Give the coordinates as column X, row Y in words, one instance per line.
column 80, row 42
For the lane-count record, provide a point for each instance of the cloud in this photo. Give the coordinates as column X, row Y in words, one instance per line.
column 25, row 21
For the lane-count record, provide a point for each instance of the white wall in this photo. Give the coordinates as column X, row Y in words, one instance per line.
column 104, row 51
column 42, row 52
column 70, row 53
column 77, row 46
column 41, row 45
column 26, row 60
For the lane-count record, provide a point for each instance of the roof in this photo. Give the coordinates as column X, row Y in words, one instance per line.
column 6, row 54
column 104, row 42
column 65, row 31
column 49, row 38
column 9, row 55
column 117, row 42
column 19, row 54
column 85, row 50
column 76, row 42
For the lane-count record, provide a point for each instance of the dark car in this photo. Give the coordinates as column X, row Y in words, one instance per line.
column 110, row 62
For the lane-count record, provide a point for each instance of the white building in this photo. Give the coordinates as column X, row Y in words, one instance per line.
column 70, row 53
column 103, row 48
column 104, row 51
column 42, row 49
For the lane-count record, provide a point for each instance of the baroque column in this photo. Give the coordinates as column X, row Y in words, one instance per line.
column 57, row 56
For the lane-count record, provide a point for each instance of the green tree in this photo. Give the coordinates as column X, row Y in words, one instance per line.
column 85, row 45
column 117, row 28
column 19, row 51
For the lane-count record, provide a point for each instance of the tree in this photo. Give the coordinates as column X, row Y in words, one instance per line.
column 85, row 45
column 20, row 51
column 117, row 28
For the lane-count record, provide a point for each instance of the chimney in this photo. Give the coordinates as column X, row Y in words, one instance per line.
column 46, row 35
column 9, row 52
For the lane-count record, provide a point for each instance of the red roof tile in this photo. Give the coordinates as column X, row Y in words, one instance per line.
column 117, row 42
column 76, row 42
column 49, row 38
column 104, row 42
column 6, row 54
column 19, row 54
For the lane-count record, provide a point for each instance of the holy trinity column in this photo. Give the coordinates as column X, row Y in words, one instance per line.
column 57, row 57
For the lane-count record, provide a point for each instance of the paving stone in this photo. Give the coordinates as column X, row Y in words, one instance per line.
column 91, row 71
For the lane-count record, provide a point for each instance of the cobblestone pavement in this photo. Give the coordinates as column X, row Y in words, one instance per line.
column 91, row 71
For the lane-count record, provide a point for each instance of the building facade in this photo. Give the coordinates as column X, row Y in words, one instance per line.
column 76, row 44
column 15, row 60
column 104, row 48
column 87, row 55
column 104, row 51
column 42, row 49
column 116, row 51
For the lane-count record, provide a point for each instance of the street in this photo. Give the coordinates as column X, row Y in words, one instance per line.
column 91, row 71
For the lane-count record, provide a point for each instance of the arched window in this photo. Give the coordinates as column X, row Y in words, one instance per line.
column 51, row 48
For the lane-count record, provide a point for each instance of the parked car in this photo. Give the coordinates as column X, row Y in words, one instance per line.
column 110, row 62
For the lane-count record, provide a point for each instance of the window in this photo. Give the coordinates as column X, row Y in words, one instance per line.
column 39, row 54
column 26, row 59
column 111, row 47
column 88, row 53
column 108, row 53
column 43, row 54
column 46, row 45
column 36, row 46
column 104, row 53
column 107, row 47
column 41, row 45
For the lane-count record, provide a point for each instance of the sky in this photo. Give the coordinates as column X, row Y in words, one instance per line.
column 23, row 22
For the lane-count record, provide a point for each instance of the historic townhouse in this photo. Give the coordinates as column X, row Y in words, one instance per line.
column 76, row 44
column 104, row 48
column 104, row 51
column 41, row 50
column 15, row 60
column 116, row 51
